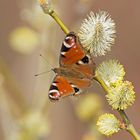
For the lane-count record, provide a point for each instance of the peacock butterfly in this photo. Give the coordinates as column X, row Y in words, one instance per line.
column 76, row 70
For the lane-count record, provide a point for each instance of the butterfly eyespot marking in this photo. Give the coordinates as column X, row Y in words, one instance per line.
column 53, row 87
column 66, row 45
column 54, row 84
column 54, row 95
column 65, row 48
column 77, row 91
column 53, row 92
column 68, row 38
column 84, row 60
column 63, row 54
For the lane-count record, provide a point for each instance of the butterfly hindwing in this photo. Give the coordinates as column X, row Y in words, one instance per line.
column 79, row 85
column 63, row 86
column 60, row 87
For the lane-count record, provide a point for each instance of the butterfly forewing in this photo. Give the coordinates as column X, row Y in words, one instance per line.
column 71, row 51
column 73, row 54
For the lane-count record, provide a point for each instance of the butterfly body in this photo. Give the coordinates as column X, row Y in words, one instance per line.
column 69, row 71
column 75, row 72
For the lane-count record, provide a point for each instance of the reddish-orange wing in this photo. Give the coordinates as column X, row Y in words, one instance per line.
column 62, row 87
column 76, row 69
column 72, row 54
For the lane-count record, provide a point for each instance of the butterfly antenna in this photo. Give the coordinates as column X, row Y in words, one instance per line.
column 43, row 73
column 46, row 60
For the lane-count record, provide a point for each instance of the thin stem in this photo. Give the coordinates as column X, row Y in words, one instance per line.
column 101, row 83
column 133, row 132
column 47, row 8
column 129, row 126
column 124, row 116
column 60, row 23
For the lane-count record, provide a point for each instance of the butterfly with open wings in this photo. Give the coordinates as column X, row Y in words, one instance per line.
column 76, row 70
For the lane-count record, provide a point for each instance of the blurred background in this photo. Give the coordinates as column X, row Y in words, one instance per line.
column 26, row 32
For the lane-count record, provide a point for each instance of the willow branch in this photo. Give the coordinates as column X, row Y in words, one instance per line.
column 129, row 126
